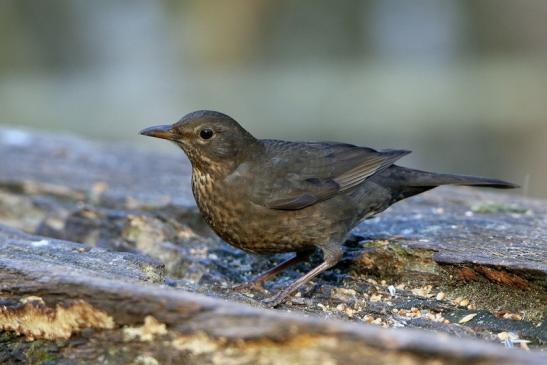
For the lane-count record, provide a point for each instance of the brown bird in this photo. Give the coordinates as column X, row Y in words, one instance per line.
column 271, row 196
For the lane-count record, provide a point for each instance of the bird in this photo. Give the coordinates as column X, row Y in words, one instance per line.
column 268, row 196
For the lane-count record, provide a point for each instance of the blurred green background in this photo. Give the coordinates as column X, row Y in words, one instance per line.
column 461, row 83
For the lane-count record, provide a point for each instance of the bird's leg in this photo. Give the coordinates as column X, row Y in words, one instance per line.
column 257, row 282
column 331, row 256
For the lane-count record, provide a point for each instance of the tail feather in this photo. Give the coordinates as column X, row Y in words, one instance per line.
column 417, row 178
column 404, row 182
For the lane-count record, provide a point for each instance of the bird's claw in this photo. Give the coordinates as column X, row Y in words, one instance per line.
column 249, row 286
column 275, row 300
column 271, row 302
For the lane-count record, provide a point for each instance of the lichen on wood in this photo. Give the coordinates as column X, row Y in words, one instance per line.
column 35, row 320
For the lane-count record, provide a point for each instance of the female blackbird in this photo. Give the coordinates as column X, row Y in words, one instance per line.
column 270, row 196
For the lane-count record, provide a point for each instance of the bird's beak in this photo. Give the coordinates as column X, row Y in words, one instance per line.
column 159, row 131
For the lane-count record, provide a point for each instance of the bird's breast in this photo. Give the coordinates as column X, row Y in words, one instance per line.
column 255, row 228
column 221, row 206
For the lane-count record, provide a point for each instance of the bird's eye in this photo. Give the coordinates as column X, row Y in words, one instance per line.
column 206, row 133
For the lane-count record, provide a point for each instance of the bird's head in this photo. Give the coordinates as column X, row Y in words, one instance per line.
column 210, row 139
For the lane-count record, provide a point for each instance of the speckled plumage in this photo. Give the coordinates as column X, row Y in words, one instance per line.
column 268, row 196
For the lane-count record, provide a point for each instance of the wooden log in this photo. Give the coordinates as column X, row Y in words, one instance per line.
column 465, row 263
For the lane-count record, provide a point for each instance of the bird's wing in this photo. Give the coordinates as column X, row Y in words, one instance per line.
column 296, row 175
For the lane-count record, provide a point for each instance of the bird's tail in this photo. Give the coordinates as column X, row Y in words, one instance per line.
column 419, row 178
column 408, row 182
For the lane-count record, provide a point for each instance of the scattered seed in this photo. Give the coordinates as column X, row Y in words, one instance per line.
column 350, row 312
column 467, row 318
column 347, row 292
column 513, row 316
column 503, row 336
column 464, row 302
column 368, row 318
column 375, row 298
column 423, row 291
column 509, row 339
column 323, row 308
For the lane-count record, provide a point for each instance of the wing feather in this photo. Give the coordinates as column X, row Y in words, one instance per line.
column 298, row 175
column 368, row 168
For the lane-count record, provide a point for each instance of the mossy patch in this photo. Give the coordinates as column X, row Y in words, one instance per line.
column 17, row 350
column 532, row 302
column 39, row 354
column 395, row 261
column 496, row 208
column 392, row 260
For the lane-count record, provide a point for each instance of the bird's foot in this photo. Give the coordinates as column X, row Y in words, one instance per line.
column 276, row 300
column 250, row 285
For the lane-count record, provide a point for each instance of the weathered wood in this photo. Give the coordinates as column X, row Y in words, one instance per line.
column 469, row 226
column 108, row 174
column 405, row 268
column 201, row 328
